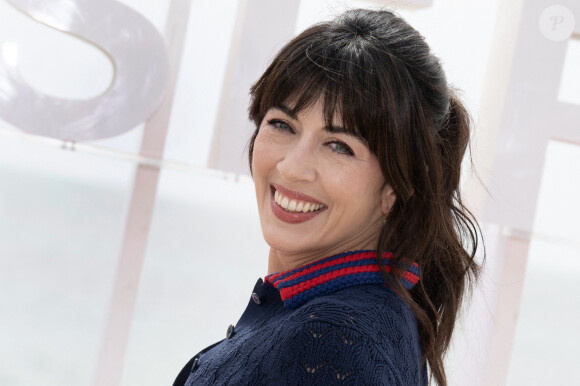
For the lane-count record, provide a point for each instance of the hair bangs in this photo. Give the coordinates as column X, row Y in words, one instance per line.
column 310, row 71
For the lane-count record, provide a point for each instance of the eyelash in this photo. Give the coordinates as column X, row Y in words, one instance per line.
column 275, row 123
column 347, row 150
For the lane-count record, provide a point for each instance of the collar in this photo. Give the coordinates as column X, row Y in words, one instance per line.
column 330, row 274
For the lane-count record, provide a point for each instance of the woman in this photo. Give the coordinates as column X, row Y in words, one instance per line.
column 356, row 160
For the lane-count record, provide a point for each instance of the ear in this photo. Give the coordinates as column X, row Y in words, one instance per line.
column 388, row 198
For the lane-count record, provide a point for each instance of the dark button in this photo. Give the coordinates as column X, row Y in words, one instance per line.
column 256, row 298
column 230, row 331
column 194, row 364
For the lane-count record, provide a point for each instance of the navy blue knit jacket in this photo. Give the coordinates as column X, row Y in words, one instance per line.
column 330, row 322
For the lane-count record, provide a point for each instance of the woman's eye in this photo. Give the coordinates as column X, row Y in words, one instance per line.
column 341, row 148
column 280, row 125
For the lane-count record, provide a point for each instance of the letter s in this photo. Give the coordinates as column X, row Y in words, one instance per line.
column 139, row 58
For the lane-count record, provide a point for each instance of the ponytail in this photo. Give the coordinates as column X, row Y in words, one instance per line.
column 447, row 237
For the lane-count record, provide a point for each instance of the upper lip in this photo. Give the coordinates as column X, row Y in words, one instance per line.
column 295, row 195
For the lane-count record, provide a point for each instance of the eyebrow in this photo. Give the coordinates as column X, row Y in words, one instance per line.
column 330, row 128
column 287, row 110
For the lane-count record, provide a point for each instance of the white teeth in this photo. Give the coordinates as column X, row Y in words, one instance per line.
column 284, row 203
column 293, row 205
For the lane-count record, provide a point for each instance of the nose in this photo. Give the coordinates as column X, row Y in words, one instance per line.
column 298, row 163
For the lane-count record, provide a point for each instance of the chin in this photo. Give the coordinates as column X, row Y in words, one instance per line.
column 285, row 245
column 295, row 245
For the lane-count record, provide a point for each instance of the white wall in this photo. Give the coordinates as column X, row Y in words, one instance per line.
column 62, row 215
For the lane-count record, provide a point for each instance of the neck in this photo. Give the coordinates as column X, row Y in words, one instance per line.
column 280, row 262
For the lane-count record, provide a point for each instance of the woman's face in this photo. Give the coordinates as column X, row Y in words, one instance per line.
column 320, row 191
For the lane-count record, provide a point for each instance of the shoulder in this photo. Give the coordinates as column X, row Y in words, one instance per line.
column 361, row 335
column 375, row 311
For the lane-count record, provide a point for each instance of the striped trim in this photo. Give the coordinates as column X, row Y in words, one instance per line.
column 330, row 274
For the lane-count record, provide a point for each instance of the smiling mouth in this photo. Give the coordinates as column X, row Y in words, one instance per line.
column 294, row 202
column 293, row 205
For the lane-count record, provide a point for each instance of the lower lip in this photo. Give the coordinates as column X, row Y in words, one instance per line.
column 292, row 217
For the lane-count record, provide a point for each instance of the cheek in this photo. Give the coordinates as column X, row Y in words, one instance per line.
column 360, row 188
column 264, row 157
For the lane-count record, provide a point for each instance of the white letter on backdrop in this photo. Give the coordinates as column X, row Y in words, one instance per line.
column 139, row 57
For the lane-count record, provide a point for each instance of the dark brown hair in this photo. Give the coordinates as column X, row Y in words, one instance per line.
column 380, row 76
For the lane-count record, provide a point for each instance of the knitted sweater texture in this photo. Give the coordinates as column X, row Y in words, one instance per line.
column 349, row 329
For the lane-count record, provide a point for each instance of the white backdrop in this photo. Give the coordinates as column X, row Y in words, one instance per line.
column 63, row 214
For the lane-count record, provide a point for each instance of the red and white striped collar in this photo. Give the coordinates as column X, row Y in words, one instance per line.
column 333, row 273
